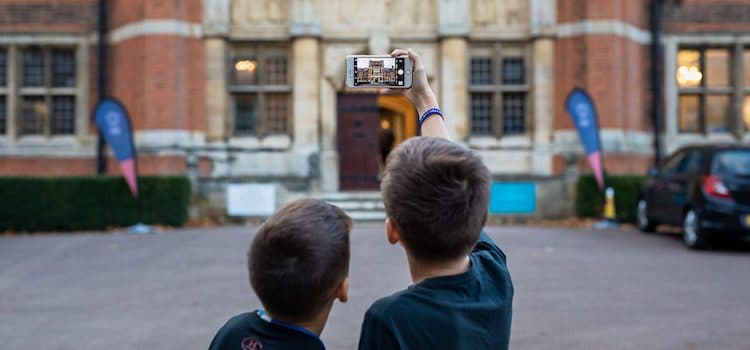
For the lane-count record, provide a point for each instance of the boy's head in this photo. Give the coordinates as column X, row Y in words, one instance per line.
column 299, row 259
column 436, row 194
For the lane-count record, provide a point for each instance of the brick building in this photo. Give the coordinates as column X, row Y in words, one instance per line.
column 252, row 91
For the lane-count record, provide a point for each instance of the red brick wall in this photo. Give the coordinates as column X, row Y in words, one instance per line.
column 159, row 78
column 48, row 16
column 614, row 69
column 127, row 11
column 634, row 12
column 707, row 16
column 54, row 166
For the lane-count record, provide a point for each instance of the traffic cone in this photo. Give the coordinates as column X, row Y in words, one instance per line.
column 610, row 213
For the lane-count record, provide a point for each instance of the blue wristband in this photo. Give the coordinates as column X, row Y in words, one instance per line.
column 430, row 112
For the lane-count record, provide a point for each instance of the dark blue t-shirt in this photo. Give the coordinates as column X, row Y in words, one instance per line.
column 255, row 331
column 471, row 310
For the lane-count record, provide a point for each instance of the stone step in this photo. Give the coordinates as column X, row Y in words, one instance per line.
column 359, row 205
column 350, row 196
column 358, row 215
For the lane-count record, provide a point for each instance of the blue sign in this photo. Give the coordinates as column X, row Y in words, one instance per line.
column 580, row 106
column 513, row 198
column 113, row 122
column 581, row 110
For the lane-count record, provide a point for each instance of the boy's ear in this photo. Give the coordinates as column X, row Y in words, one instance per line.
column 342, row 292
column 392, row 232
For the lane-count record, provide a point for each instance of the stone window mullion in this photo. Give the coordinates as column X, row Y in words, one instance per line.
column 12, row 84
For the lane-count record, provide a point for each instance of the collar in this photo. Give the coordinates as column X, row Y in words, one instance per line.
column 265, row 317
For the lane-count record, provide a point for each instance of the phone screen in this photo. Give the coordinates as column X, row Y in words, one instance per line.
column 379, row 71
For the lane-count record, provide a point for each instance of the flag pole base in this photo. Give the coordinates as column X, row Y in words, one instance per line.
column 606, row 225
column 140, row 229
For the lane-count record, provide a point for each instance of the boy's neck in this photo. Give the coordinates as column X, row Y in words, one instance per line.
column 314, row 325
column 421, row 270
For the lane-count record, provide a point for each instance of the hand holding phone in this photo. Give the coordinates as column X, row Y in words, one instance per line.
column 378, row 71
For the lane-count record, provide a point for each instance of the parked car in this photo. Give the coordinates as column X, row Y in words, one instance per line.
column 704, row 189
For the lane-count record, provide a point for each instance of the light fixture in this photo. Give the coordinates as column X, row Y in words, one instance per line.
column 689, row 76
column 245, row 66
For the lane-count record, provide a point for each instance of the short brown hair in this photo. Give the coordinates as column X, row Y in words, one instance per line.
column 436, row 193
column 298, row 258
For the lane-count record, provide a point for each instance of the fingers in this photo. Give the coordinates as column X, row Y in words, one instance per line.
column 399, row 52
column 416, row 59
column 412, row 55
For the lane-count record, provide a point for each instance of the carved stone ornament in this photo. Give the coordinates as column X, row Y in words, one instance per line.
column 500, row 13
column 216, row 17
column 260, row 12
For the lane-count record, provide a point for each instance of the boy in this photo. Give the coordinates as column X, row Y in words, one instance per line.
column 436, row 194
column 298, row 264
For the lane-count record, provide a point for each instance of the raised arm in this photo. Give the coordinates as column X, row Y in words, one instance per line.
column 421, row 96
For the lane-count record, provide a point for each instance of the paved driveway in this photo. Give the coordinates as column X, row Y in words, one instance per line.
column 575, row 289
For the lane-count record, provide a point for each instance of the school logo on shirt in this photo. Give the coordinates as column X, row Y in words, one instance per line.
column 251, row 343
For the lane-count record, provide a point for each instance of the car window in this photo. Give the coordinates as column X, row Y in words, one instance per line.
column 683, row 162
column 732, row 163
column 691, row 162
column 673, row 163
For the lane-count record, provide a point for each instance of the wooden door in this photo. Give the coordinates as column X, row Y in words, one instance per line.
column 358, row 123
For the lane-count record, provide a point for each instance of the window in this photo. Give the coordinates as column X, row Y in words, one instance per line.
column 44, row 91
column 261, row 91
column 683, row 162
column 497, row 92
column 706, row 89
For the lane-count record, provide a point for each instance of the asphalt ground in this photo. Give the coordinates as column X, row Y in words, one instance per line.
column 575, row 289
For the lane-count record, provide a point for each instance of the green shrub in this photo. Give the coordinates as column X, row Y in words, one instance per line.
column 590, row 201
column 90, row 203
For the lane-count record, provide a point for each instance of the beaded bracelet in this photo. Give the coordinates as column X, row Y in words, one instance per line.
column 430, row 112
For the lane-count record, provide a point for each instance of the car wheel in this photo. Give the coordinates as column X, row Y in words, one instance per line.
column 645, row 224
column 692, row 234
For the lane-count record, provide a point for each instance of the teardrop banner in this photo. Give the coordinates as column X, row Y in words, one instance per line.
column 581, row 108
column 113, row 121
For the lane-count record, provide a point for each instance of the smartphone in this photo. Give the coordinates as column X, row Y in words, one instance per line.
column 369, row 71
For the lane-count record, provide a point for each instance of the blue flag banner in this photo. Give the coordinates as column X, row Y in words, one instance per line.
column 114, row 123
column 581, row 108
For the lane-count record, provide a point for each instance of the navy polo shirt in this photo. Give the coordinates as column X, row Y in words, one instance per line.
column 256, row 331
column 471, row 310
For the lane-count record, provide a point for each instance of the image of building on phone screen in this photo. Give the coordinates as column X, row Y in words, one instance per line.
column 376, row 72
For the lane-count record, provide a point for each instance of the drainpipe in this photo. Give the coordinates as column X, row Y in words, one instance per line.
column 656, row 82
column 101, row 161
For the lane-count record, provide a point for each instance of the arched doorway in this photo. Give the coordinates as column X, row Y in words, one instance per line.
column 362, row 121
column 397, row 111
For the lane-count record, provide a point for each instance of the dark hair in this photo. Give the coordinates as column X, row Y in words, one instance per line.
column 436, row 193
column 298, row 258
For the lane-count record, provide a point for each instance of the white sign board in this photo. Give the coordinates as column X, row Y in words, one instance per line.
column 251, row 199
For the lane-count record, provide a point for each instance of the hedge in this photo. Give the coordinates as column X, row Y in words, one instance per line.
column 90, row 203
column 590, row 200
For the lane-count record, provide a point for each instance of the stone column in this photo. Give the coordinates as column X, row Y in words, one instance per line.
column 454, row 26
column 217, row 92
column 329, row 156
column 216, row 30
column 670, row 94
column 306, row 73
column 543, row 91
column 454, row 85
